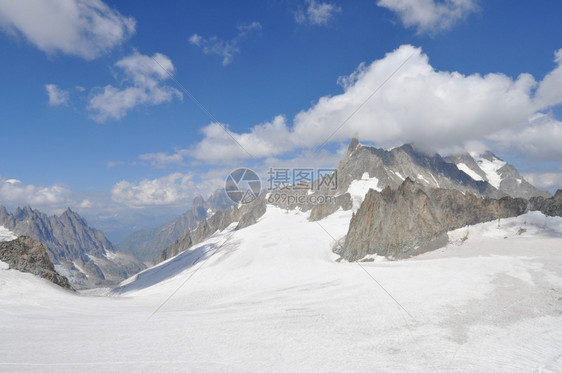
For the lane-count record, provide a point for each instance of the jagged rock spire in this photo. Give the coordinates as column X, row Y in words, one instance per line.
column 352, row 146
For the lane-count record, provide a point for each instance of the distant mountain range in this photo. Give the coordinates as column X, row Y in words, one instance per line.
column 469, row 189
column 403, row 202
column 83, row 254
column 147, row 244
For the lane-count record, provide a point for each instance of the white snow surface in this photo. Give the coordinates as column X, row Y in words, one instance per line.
column 467, row 170
column 271, row 297
column 6, row 234
column 358, row 189
column 490, row 168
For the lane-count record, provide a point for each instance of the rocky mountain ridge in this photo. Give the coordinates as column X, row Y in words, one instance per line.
column 147, row 245
column 462, row 189
column 412, row 219
column 79, row 252
column 244, row 214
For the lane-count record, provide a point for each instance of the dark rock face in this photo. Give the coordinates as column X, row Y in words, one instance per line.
column 84, row 254
column 28, row 255
column 148, row 244
column 412, row 219
column 320, row 211
column 548, row 206
column 251, row 216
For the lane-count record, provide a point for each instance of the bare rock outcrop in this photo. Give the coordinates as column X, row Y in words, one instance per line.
column 549, row 206
column 412, row 219
column 28, row 255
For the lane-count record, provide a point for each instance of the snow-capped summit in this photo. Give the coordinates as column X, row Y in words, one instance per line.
column 78, row 251
column 500, row 174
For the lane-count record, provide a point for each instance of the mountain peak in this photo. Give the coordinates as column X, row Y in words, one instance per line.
column 354, row 144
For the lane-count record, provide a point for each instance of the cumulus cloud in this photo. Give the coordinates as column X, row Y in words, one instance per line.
column 173, row 189
column 84, row 28
column 224, row 48
column 316, row 13
column 56, row 95
column 433, row 109
column 545, row 180
column 540, row 139
column 430, row 16
column 549, row 92
column 144, row 78
column 15, row 193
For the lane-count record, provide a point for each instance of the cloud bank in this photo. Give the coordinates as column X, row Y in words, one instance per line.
column 170, row 190
column 48, row 197
column 435, row 110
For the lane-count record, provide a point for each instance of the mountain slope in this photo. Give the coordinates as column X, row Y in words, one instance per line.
column 148, row 244
column 485, row 302
column 79, row 252
column 500, row 174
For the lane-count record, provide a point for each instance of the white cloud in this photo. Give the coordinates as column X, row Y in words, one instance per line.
column 541, row 138
column 85, row 28
column 161, row 160
column 434, row 109
column 263, row 140
column 86, row 204
column 316, row 13
column 224, row 48
column 57, row 96
column 145, row 76
column 15, row 193
column 549, row 92
column 430, row 16
column 545, row 180
column 173, row 189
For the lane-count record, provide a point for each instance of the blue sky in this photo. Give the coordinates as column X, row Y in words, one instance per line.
column 96, row 112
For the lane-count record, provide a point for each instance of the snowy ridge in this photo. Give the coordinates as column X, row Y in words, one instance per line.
column 6, row 234
column 463, row 167
column 491, row 168
column 359, row 188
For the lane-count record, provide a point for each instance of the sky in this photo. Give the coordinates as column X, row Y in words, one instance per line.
column 126, row 110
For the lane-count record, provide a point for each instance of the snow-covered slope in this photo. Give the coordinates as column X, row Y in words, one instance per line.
column 6, row 234
column 359, row 188
column 500, row 174
column 272, row 297
column 491, row 167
